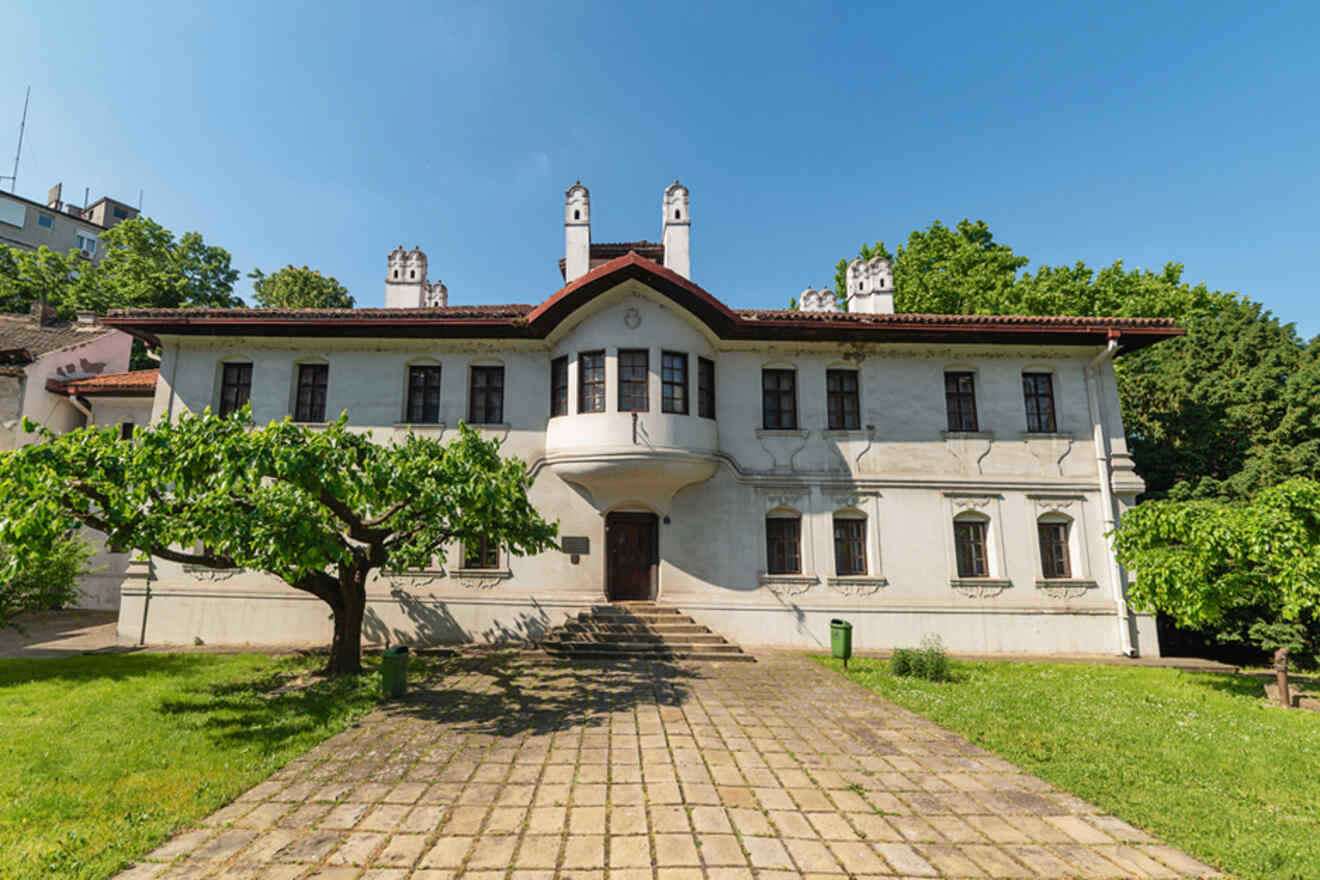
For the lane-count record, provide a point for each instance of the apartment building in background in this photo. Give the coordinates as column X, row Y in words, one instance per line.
column 28, row 225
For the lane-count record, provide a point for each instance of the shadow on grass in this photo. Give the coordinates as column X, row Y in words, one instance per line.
column 110, row 667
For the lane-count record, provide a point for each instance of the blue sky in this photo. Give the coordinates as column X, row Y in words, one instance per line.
column 327, row 133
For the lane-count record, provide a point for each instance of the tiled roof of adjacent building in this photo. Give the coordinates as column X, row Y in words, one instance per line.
column 22, row 332
column 536, row 322
column 134, row 383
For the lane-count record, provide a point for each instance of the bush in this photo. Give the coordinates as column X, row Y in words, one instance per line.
column 929, row 661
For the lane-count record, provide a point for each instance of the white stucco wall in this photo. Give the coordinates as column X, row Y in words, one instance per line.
column 714, row 481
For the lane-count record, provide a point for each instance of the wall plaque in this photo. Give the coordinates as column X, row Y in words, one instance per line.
column 578, row 546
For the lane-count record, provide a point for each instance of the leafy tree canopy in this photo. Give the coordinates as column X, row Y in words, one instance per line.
column 294, row 288
column 319, row 509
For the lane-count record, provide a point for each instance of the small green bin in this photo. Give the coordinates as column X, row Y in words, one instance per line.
column 394, row 671
column 841, row 640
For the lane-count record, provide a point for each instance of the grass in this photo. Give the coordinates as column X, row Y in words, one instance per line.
column 1198, row 759
column 102, row 757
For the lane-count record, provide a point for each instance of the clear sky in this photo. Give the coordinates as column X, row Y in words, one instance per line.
column 327, row 133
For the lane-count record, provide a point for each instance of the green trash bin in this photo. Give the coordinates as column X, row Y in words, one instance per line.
column 841, row 640
column 394, row 671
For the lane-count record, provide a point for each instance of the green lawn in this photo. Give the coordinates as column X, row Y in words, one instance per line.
column 102, row 757
column 1197, row 759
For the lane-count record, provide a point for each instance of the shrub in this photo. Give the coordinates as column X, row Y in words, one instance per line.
column 929, row 661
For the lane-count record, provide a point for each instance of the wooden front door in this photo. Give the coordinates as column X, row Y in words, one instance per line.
column 631, row 558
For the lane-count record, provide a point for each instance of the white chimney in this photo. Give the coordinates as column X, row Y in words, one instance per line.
column 577, row 232
column 871, row 286
column 676, row 229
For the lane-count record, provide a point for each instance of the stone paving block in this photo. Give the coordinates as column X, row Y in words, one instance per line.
column 448, row 852
column 538, row 851
column 584, row 851
column 812, row 856
column 310, row 848
column 1086, row 862
column 632, row 851
column 357, row 848
column 950, row 860
column 905, row 860
column 1178, row 860
column 766, row 852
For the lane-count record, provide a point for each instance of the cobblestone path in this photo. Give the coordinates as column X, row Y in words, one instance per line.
column 523, row 768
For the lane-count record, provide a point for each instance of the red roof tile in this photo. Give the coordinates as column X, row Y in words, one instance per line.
column 134, row 383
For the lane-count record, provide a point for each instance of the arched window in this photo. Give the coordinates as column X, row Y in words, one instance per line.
column 783, row 542
column 1054, row 533
column 969, row 541
column 849, row 543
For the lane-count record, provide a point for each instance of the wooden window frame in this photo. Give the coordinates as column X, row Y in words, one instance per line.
column 960, row 401
column 674, row 382
column 423, row 404
column 843, row 403
column 971, row 551
column 705, row 388
column 482, row 551
column 235, row 386
column 310, row 394
column 634, row 394
column 779, row 403
column 783, row 544
column 559, row 386
column 849, row 545
column 1055, row 550
column 486, row 399
column 591, row 381
column 1038, row 397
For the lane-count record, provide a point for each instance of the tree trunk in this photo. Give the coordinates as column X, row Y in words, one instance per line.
column 1281, row 675
column 346, row 646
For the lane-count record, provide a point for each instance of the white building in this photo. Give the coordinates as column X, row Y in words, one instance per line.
column 764, row 470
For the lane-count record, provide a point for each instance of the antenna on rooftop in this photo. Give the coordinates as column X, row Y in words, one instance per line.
column 22, row 124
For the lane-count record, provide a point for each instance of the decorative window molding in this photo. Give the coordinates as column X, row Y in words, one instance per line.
column 857, row 585
column 1066, row 588
column 787, row 584
column 980, row 588
column 1070, row 508
column 985, row 508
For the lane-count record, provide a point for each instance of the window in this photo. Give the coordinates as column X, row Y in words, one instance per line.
column 674, row 383
column 591, row 382
column 424, row 395
column 559, row 386
column 235, row 387
column 481, row 553
column 633, row 374
column 125, row 430
column 310, row 405
column 969, row 541
column 782, row 537
column 960, row 399
column 779, row 399
column 849, row 545
column 45, row 220
column 705, row 388
column 486, row 396
column 1038, row 392
column 841, row 391
column 1054, row 562
column 85, row 243
column 120, row 214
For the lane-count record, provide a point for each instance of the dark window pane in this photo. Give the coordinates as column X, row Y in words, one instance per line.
column 235, row 387
column 1054, row 561
column 486, row 396
column 559, row 386
column 782, row 537
column 310, row 405
column 674, row 382
column 849, row 546
column 633, row 377
column 424, row 394
column 960, row 399
column 842, row 399
column 591, row 382
column 779, row 399
column 705, row 388
column 481, row 553
column 1038, row 394
column 969, row 539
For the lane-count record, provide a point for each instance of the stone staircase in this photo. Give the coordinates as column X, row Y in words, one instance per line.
column 640, row 630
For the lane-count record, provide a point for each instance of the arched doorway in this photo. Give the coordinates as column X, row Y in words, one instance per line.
column 632, row 556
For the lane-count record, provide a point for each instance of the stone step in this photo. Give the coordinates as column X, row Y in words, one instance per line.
column 641, row 647
column 641, row 617
column 592, row 625
column 630, row 608
column 592, row 638
column 704, row 656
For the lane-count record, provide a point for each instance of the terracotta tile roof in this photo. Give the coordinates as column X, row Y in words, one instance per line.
column 22, row 332
column 14, row 372
column 132, row 383
column 513, row 310
column 528, row 322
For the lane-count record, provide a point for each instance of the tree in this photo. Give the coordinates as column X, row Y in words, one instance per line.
column 294, row 288
column 47, row 579
column 1199, row 561
column 319, row 509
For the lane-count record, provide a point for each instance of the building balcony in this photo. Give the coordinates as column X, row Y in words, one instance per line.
column 623, row 458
